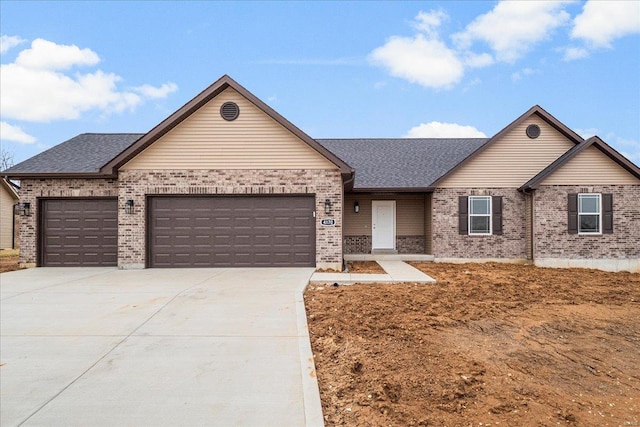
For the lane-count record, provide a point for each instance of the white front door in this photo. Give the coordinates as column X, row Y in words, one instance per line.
column 383, row 224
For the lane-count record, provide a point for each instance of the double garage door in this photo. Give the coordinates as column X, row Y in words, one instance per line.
column 207, row 231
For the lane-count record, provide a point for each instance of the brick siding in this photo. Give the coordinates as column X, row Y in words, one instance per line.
column 551, row 239
column 448, row 243
column 136, row 184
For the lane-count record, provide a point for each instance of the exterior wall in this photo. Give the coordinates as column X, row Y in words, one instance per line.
column 6, row 218
column 206, row 141
column 137, row 184
column 591, row 167
column 513, row 159
column 410, row 222
column 31, row 190
column 448, row 243
column 553, row 242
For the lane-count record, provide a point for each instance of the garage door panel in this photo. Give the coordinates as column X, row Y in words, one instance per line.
column 79, row 232
column 231, row 231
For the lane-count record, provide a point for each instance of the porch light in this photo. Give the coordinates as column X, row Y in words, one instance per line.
column 25, row 209
column 327, row 206
column 356, row 207
column 128, row 206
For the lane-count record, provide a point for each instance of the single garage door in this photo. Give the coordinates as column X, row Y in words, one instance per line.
column 79, row 232
column 231, row 231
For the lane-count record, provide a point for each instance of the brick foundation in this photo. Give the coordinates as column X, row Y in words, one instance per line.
column 404, row 244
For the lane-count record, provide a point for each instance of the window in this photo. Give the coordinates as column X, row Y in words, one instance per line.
column 482, row 215
column 479, row 214
column 589, row 214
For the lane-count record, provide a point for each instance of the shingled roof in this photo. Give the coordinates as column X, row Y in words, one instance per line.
column 83, row 154
column 402, row 163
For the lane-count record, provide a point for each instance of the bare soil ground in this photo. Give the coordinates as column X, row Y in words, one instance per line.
column 489, row 344
column 9, row 259
column 369, row 267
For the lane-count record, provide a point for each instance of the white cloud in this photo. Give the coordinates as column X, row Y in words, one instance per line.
column 586, row 133
column 428, row 22
column 423, row 59
column 47, row 55
column 474, row 60
column 601, row 22
column 156, row 92
column 444, row 130
column 14, row 133
column 630, row 148
column 518, row 75
column 513, row 27
column 572, row 53
column 36, row 88
column 7, row 42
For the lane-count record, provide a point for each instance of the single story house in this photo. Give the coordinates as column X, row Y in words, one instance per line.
column 227, row 181
column 8, row 199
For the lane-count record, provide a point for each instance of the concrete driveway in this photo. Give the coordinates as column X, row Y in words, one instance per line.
column 196, row 347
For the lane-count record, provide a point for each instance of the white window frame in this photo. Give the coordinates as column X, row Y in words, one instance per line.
column 471, row 215
column 599, row 213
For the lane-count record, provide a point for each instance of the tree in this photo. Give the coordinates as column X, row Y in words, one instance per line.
column 6, row 159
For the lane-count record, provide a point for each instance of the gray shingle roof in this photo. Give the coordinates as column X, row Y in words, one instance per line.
column 379, row 163
column 401, row 163
column 85, row 153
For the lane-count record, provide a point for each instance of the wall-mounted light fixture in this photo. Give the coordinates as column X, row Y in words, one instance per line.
column 327, row 206
column 356, row 207
column 25, row 209
column 128, row 206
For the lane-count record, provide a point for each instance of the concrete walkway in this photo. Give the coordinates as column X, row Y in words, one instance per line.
column 197, row 347
column 395, row 272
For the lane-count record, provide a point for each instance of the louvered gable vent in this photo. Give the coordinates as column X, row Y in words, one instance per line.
column 229, row 111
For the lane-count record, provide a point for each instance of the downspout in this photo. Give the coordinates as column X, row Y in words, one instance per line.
column 13, row 225
column 529, row 193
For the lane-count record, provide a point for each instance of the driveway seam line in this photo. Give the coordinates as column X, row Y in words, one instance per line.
column 56, row 284
column 111, row 350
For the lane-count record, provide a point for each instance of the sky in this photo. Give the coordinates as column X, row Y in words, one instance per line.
column 334, row 69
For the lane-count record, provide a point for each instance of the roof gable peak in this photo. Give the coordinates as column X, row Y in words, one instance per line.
column 195, row 104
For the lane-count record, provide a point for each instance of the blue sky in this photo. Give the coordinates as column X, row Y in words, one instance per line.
column 334, row 69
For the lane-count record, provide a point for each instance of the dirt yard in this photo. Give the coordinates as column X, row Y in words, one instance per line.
column 488, row 345
column 9, row 259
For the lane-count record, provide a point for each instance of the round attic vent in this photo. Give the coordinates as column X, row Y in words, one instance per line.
column 229, row 111
column 533, row 131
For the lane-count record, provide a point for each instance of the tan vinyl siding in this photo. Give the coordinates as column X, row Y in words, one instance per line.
column 206, row 141
column 409, row 214
column 591, row 167
column 513, row 159
column 6, row 218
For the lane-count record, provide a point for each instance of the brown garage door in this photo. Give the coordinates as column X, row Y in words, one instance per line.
column 231, row 231
column 79, row 232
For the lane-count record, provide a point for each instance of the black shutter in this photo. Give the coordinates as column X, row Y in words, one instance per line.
column 572, row 211
column 496, row 219
column 607, row 213
column 463, row 210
